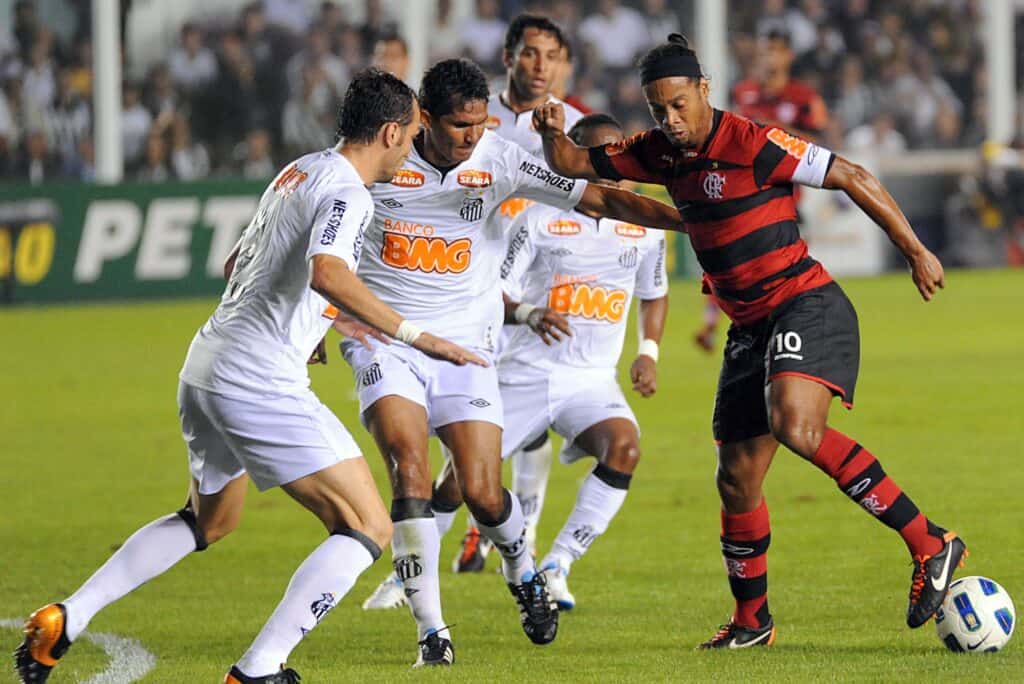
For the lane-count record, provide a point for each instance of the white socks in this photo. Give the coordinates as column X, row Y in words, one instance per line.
column 151, row 551
column 416, row 549
column 317, row 586
column 530, row 471
column 597, row 502
column 508, row 536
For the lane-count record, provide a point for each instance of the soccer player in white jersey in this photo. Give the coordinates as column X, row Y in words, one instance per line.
column 571, row 264
column 244, row 399
column 433, row 254
column 535, row 51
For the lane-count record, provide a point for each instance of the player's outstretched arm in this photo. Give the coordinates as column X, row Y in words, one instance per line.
column 547, row 323
column 563, row 155
column 333, row 280
column 623, row 205
column 870, row 195
column 651, row 314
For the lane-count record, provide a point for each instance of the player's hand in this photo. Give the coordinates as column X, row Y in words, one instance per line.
column 644, row 374
column 319, row 354
column 926, row 270
column 549, row 119
column 549, row 324
column 439, row 348
column 350, row 326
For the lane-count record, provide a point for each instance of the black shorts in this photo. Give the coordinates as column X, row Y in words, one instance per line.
column 813, row 335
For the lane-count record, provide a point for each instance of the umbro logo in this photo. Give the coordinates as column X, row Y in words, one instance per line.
column 480, row 403
column 392, row 203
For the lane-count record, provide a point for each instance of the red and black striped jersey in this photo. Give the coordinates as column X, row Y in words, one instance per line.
column 736, row 198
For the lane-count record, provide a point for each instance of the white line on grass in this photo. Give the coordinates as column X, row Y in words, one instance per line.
column 129, row 661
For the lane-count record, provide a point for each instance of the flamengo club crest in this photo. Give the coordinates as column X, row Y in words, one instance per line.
column 714, row 184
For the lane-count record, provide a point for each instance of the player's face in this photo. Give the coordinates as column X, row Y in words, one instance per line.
column 453, row 136
column 535, row 63
column 774, row 56
column 602, row 135
column 680, row 107
column 396, row 154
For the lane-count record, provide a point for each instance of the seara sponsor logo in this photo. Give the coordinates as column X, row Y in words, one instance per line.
column 630, row 230
column 429, row 255
column 589, row 301
column 492, row 123
column 290, row 179
column 795, row 147
column 564, row 227
column 406, row 178
column 475, row 179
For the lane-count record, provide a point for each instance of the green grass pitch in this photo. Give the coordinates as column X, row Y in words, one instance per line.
column 90, row 450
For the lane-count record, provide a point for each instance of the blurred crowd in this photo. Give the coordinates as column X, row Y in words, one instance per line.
column 242, row 96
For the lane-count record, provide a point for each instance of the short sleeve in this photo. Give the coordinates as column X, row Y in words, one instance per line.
column 626, row 159
column 519, row 255
column 652, row 276
column 782, row 158
column 340, row 214
column 533, row 179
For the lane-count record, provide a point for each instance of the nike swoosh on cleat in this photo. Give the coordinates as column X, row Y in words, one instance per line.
column 943, row 576
column 732, row 644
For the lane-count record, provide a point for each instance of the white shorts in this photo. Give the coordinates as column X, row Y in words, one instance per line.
column 275, row 439
column 449, row 393
column 570, row 404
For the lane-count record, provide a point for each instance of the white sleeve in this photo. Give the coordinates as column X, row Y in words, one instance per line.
column 533, row 179
column 340, row 214
column 518, row 256
column 651, row 276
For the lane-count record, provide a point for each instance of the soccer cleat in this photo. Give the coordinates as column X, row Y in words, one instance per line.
column 236, row 676
column 558, row 586
column 435, row 650
column 537, row 612
column 45, row 642
column 473, row 556
column 737, row 636
column 931, row 579
column 389, row 594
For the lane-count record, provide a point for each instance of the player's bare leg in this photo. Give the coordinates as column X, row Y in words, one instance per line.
column 344, row 498
column 798, row 413
column 615, row 443
column 476, row 455
column 706, row 336
column 150, row 552
column 746, row 534
column 399, row 426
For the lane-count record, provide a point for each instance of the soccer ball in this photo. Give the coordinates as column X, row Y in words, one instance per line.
column 976, row 616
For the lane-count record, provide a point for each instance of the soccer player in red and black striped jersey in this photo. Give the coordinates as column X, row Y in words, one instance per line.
column 793, row 344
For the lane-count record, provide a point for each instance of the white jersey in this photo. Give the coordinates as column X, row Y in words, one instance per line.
column 519, row 127
column 269, row 320
column 433, row 253
column 587, row 269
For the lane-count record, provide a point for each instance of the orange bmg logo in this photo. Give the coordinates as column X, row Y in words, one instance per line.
column 427, row 254
column 594, row 302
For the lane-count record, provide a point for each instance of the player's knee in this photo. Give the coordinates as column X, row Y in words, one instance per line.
column 796, row 432
column 623, row 454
